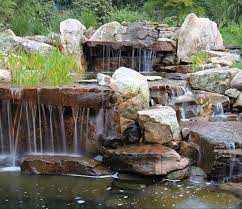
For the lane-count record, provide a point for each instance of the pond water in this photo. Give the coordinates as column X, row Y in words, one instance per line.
column 19, row 191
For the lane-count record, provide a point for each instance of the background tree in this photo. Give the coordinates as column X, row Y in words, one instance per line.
column 7, row 8
column 177, row 8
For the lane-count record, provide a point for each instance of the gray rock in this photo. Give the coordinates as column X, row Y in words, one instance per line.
column 5, row 75
column 236, row 82
column 132, row 91
column 40, row 165
column 214, row 80
column 232, row 93
column 108, row 32
column 104, row 80
column 224, row 58
column 72, row 32
column 197, row 174
column 238, row 102
column 10, row 43
column 219, row 144
column 145, row 159
column 179, row 175
column 159, row 123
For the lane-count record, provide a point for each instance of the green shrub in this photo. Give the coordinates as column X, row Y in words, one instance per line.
column 23, row 25
column 88, row 19
column 200, row 59
column 128, row 15
column 58, row 17
column 232, row 34
column 101, row 8
column 37, row 69
column 238, row 65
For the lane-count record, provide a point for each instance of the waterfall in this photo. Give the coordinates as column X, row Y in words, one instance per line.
column 219, row 109
column 31, row 128
column 180, row 94
column 141, row 60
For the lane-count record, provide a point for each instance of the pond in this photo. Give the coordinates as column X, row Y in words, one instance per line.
column 67, row 192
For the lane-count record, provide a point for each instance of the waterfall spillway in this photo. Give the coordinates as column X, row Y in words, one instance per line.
column 44, row 126
column 106, row 58
column 183, row 99
column 219, row 109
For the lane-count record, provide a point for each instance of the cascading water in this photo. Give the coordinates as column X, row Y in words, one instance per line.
column 180, row 95
column 219, row 109
column 37, row 129
column 138, row 59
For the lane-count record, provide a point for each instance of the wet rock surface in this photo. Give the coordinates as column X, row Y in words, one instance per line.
column 145, row 159
column 234, row 188
column 58, row 165
column 220, row 147
column 89, row 95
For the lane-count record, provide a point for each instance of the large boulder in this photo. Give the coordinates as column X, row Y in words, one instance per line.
column 237, row 81
column 107, row 32
column 197, row 34
column 214, row 80
column 232, row 93
column 145, row 159
column 72, row 32
column 132, row 93
column 49, row 165
column 10, row 43
column 159, row 124
column 238, row 102
column 129, row 83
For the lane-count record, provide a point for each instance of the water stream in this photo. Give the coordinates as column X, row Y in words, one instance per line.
column 30, row 128
column 141, row 60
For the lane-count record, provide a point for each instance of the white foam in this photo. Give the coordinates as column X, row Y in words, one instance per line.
column 115, row 176
column 10, row 169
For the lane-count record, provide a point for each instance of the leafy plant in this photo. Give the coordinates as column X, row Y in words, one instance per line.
column 232, row 34
column 238, row 65
column 200, row 59
column 37, row 69
column 101, row 8
column 177, row 8
column 88, row 18
column 128, row 14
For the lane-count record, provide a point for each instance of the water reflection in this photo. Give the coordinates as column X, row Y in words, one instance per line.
column 58, row 192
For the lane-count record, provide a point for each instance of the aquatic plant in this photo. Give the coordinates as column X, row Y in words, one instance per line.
column 38, row 69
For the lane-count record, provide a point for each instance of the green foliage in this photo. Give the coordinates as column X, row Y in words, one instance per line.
column 232, row 34
column 128, row 15
column 7, row 8
column 54, row 24
column 224, row 11
column 101, row 8
column 200, row 59
column 177, row 8
column 238, row 65
column 88, row 19
column 37, row 69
